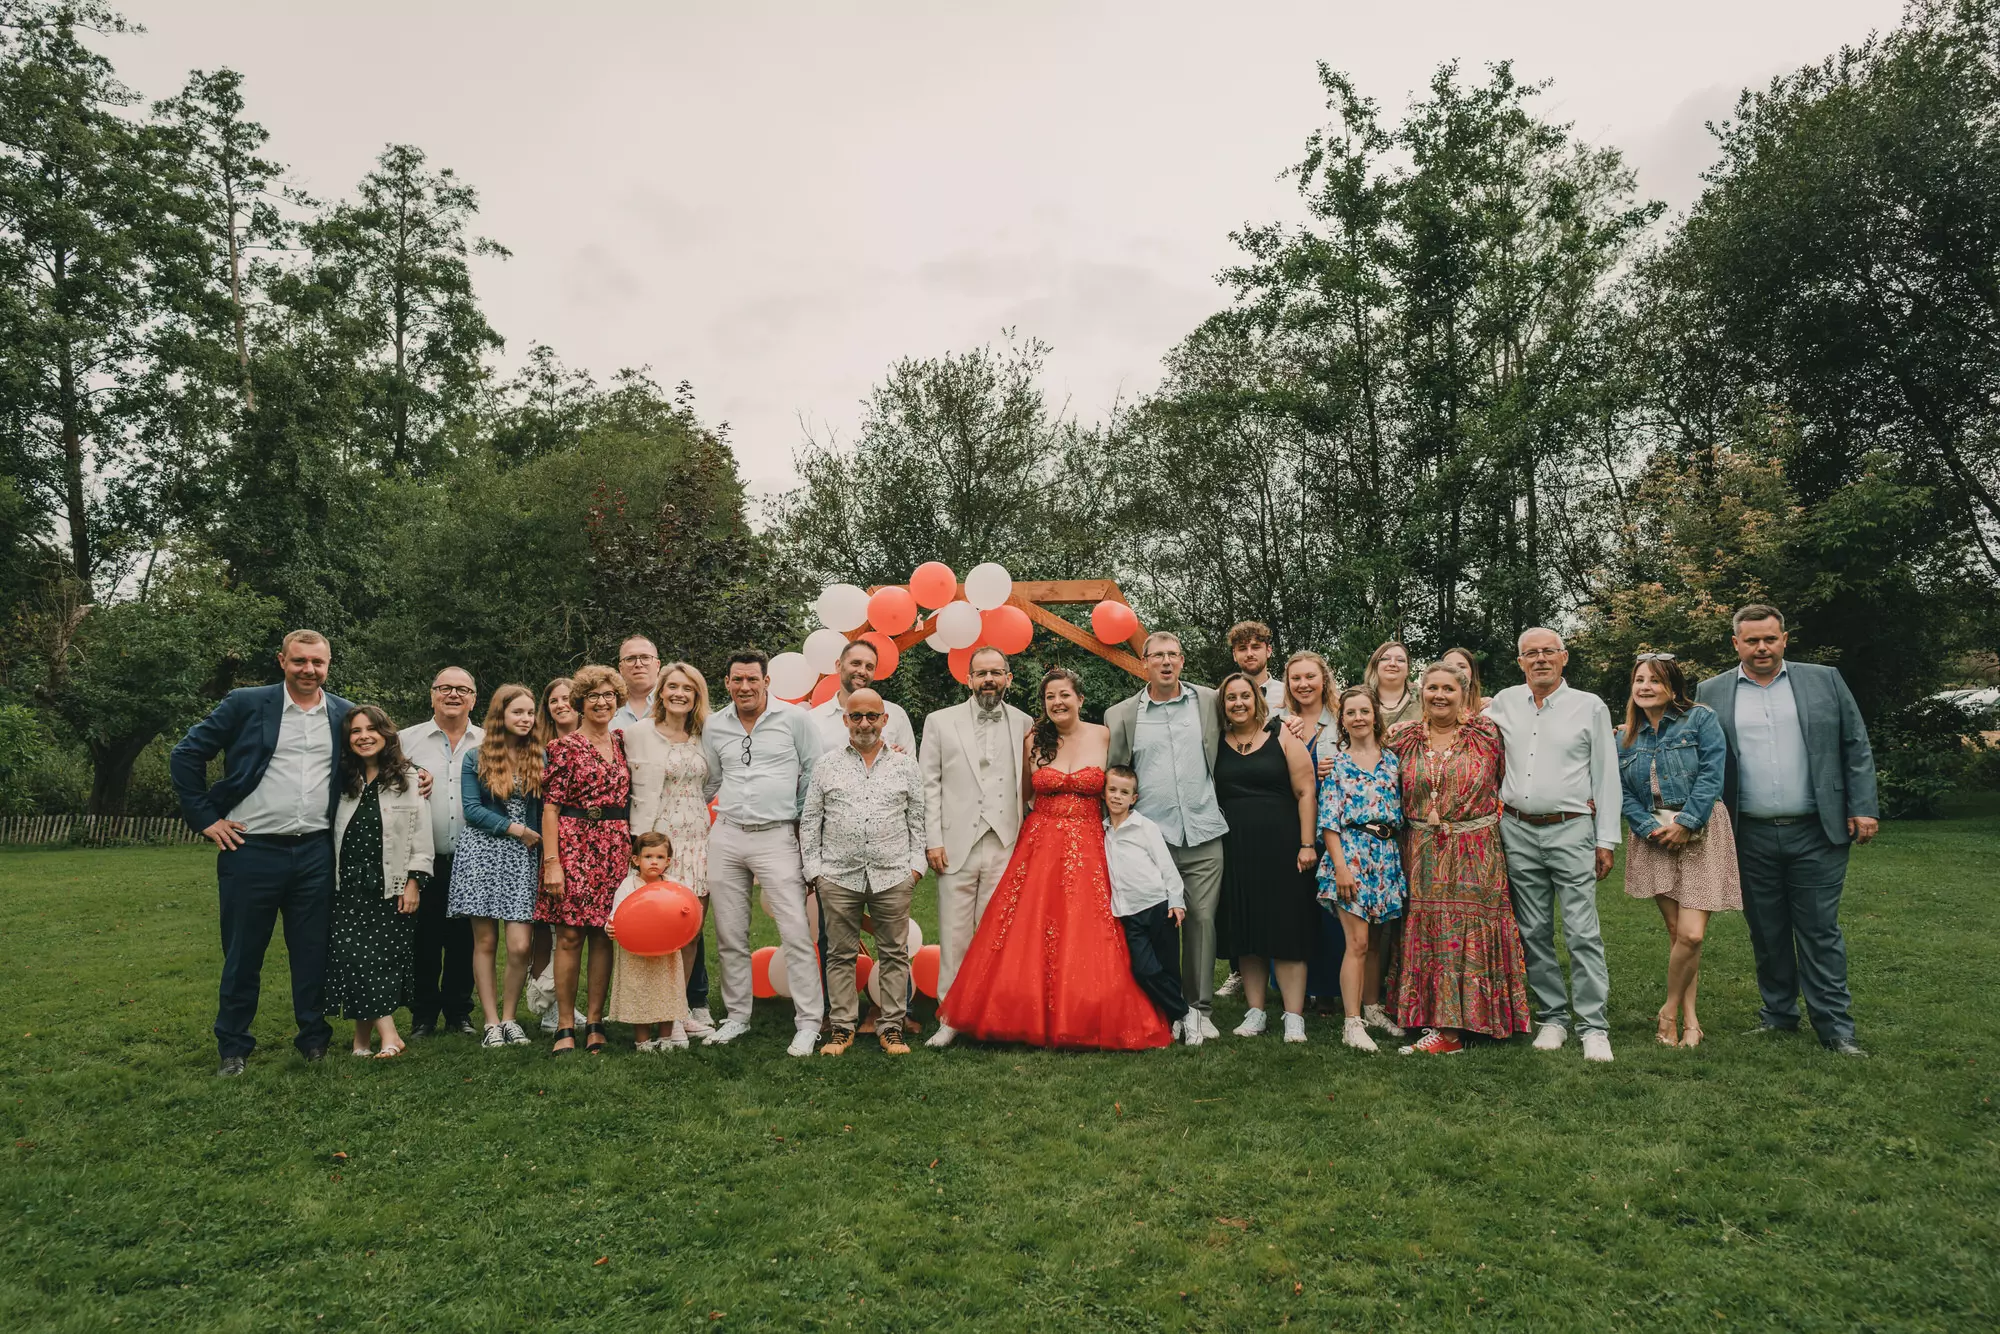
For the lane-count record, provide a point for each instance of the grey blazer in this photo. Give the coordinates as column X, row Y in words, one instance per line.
column 1840, row 765
column 1123, row 720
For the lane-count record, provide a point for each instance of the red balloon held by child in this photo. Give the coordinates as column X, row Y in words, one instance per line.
column 657, row 919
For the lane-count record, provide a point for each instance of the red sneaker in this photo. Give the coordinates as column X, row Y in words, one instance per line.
column 1434, row 1042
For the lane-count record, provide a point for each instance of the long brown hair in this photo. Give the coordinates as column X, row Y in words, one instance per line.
column 1374, row 711
column 1260, row 712
column 1670, row 675
column 546, row 730
column 1471, row 674
column 1047, row 739
column 508, row 762
column 391, row 768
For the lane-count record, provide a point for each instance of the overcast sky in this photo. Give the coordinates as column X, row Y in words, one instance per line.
column 775, row 202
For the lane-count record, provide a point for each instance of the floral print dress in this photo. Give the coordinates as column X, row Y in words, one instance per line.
column 1461, row 965
column 596, row 855
column 1351, row 798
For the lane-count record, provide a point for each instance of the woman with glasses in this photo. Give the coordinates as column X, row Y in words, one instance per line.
column 586, row 848
column 1680, row 851
column 1388, row 675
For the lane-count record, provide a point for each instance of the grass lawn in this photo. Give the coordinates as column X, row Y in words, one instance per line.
column 1245, row 1185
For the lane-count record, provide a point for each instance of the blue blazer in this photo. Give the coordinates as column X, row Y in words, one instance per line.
column 1841, row 766
column 245, row 728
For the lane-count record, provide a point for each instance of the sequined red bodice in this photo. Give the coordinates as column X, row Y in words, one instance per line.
column 1068, row 796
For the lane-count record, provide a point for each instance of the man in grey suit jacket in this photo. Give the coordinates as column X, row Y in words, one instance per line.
column 1800, row 784
column 1168, row 732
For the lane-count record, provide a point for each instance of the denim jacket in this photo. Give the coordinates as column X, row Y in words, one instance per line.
column 487, row 811
column 1691, row 753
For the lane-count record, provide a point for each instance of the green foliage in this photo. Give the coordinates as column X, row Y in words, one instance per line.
column 1924, row 753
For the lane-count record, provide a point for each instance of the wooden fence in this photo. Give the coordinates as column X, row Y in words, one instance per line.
column 94, row 830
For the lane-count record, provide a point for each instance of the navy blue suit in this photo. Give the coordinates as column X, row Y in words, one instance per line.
column 268, row 877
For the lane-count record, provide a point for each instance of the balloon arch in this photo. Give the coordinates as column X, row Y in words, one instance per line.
column 987, row 610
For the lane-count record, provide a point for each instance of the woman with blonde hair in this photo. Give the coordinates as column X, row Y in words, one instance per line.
column 586, row 848
column 1462, row 659
column 1388, row 675
column 669, row 776
column 494, row 875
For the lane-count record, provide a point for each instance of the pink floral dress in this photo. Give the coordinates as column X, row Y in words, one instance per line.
column 595, row 854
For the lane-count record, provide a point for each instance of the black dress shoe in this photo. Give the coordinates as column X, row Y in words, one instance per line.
column 1846, row 1047
column 312, row 1054
column 231, row 1066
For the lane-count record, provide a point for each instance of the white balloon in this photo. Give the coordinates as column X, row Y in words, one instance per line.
column 988, row 586
column 781, row 973
column 875, row 984
column 842, row 607
column 913, row 939
column 936, row 641
column 823, row 649
column 958, row 626
column 792, row 677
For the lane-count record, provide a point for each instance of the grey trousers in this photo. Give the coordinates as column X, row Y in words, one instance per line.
column 1551, row 867
column 1201, row 882
column 771, row 858
column 1792, row 878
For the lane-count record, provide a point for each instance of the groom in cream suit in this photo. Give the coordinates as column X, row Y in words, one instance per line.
column 971, row 757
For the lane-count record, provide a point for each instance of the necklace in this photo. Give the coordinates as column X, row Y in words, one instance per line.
column 1246, row 746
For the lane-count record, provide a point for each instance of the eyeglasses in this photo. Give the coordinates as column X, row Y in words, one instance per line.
column 746, row 748
column 640, row 657
column 1163, row 653
column 596, row 695
column 452, row 690
column 1655, row 657
column 866, row 717
column 1532, row 654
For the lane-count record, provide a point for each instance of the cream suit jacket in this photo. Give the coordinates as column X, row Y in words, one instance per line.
column 949, row 755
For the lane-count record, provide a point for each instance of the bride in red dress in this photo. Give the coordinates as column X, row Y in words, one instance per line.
column 1048, row 964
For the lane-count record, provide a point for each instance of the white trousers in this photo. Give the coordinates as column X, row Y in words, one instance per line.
column 962, row 898
column 770, row 857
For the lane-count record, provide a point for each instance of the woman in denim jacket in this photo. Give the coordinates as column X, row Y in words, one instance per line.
column 1681, row 852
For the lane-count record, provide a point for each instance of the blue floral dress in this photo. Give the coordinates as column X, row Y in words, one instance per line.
column 1350, row 798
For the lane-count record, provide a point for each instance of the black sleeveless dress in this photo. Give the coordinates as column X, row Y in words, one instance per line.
column 1270, row 908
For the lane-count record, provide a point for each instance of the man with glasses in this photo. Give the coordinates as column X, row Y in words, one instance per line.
column 971, row 757
column 861, row 841
column 1560, row 798
column 856, row 669
column 760, row 758
column 1168, row 733
column 443, row 950
column 639, row 665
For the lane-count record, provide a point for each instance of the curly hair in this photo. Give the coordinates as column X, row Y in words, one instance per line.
column 1046, row 738
column 509, row 763
column 391, row 767
column 589, row 679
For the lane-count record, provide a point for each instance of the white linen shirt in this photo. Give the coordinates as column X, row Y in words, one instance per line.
column 426, row 746
column 831, row 720
column 1142, row 870
column 769, row 787
column 293, row 794
column 1561, row 756
column 863, row 824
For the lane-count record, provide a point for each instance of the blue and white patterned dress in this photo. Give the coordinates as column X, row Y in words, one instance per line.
column 493, row 876
column 1349, row 798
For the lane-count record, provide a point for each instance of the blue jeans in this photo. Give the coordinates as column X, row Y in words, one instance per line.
column 265, row 879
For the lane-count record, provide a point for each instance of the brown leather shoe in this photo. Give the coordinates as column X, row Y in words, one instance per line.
column 838, row 1042
column 891, row 1038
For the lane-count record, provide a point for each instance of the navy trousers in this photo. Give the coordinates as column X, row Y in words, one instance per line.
column 1792, row 878
column 1155, row 947
column 258, row 883
column 443, row 955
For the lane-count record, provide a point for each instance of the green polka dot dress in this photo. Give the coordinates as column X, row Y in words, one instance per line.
column 370, row 967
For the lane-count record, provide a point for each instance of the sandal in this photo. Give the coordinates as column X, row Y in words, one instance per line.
column 1664, row 1033
column 596, row 1031
column 564, row 1035
column 390, row 1052
column 1691, row 1037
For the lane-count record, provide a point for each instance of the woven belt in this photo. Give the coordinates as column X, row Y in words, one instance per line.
column 594, row 814
column 1542, row 821
column 1459, row 826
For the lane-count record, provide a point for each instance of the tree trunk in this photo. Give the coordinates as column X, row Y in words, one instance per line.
column 76, row 502
column 111, row 771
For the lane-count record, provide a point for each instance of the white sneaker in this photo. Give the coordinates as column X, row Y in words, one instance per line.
column 1596, row 1046
column 727, row 1031
column 1253, row 1024
column 1376, row 1017
column 549, row 1024
column 676, row 1040
column 650, row 1044
column 942, row 1038
column 1231, row 984
column 1295, row 1027
column 1189, row 1031
column 1551, row 1037
column 804, row 1041
column 1355, row 1034
column 699, row 1023
column 1207, row 1022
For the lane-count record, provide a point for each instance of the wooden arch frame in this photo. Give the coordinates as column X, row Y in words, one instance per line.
column 1035, row 597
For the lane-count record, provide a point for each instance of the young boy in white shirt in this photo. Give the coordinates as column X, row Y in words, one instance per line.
column 1146, row 897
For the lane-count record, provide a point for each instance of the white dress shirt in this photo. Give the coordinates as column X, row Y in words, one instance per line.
column 296, row 788
column 831, row 720
column 769, row 786
column 1142, row 870
column 1561, row 756
column 1274, row 695
column 428, row 747
column 1773, row 778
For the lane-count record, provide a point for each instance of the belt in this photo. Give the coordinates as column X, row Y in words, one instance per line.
column 759, row 827
column 285, row 840
column 1377, row 828
column 1446, row 827
column 1781, row 819
column 594, row 814
column 1553, row 817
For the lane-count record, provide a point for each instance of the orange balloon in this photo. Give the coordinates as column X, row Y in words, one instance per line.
column 892, row 610
column 658, row 919
column 711, row 809
column 760, row 972
column 886, row 653
column 823, row 692
column 960, row 662
column 933, row 584
column 864, row 967
column 924, row 969
column 1006, row 628
column 1113, row 622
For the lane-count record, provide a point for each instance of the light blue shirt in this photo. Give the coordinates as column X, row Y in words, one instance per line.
column 1772, row 776
column 771, row 785
column 629, row 715
column 1175, row 790
column 426, row 746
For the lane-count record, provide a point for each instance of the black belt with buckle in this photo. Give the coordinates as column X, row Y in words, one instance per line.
column 1385, row 832
column 594, row 814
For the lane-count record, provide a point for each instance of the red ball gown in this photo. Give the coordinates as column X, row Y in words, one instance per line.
column 1048, row 964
